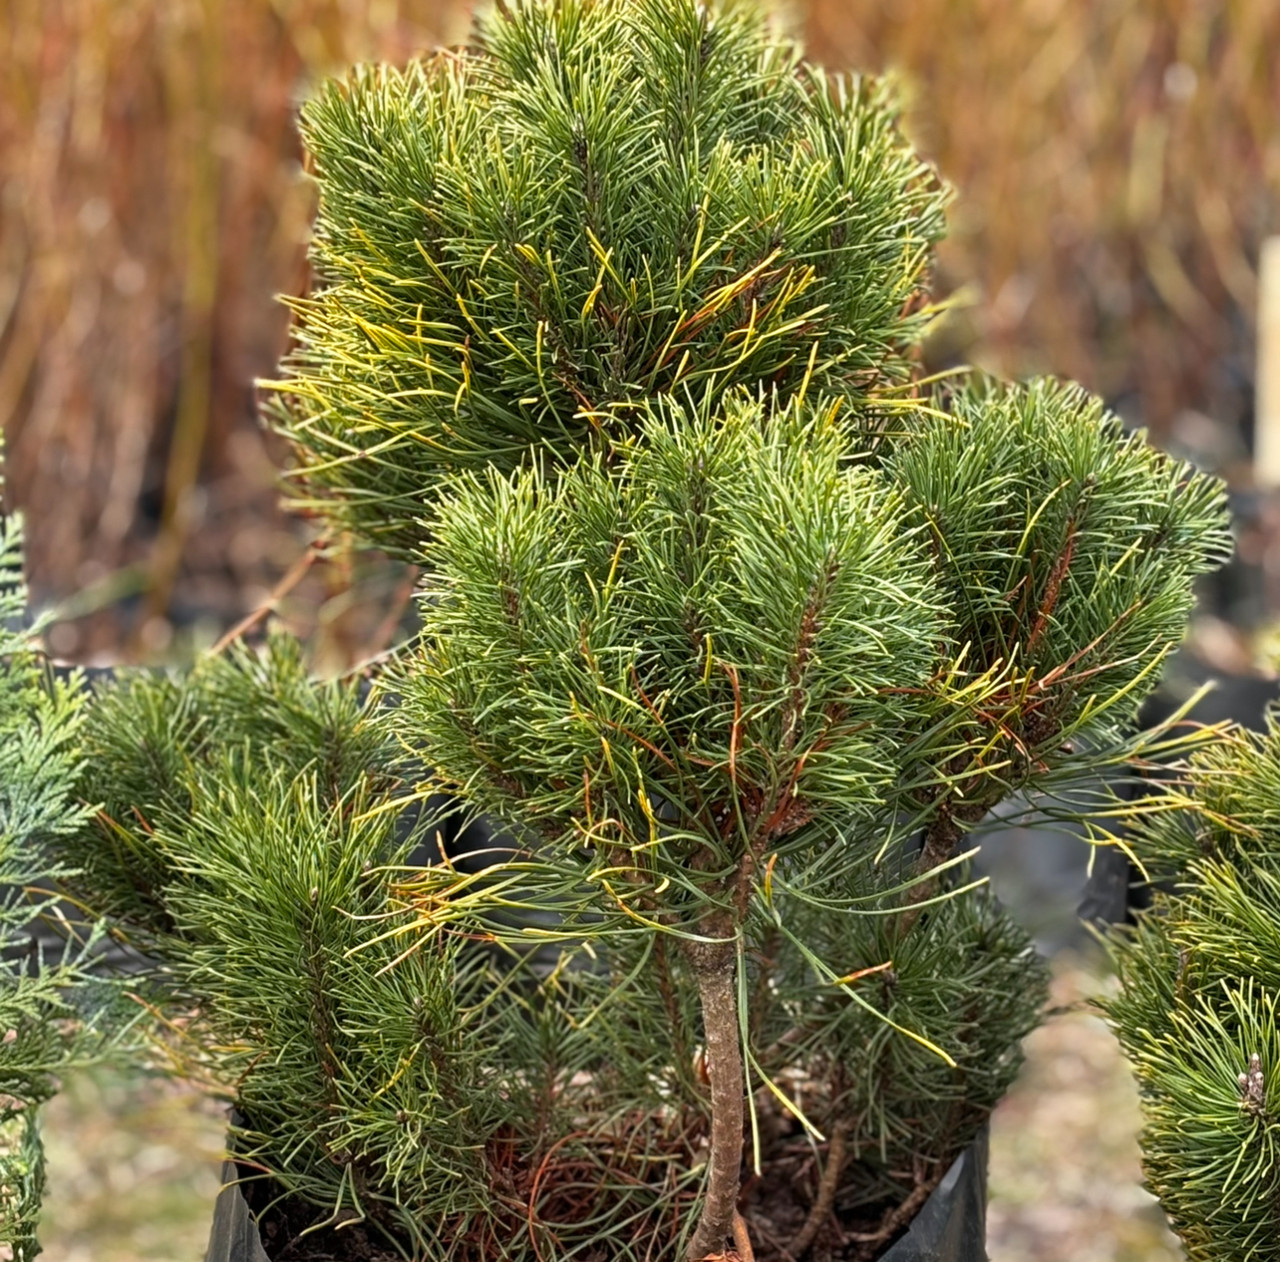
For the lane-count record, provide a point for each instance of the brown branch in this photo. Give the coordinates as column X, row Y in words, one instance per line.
column 400, row 598
column 1057, row 674
column 806, row 638
column 940, row 840
column 898, row 1218
column 772, row 1241
column 825, row 1201
column 295, row 575
column 714, row 966
column 742, row 1238
column 939, row 844
column 1053, row 587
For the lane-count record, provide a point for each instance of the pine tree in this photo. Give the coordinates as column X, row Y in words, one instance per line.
column 732, row 631
column 1197, row 1013
column 717, row 677
column 521, row 242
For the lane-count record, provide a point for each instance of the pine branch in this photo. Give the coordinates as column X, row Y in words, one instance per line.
column 593, row 205
column 613, row 332
column 1196, row 1014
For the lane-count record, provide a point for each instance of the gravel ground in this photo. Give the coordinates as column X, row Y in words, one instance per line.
column 133, row 1161
column 1065, row 1178
column 133, row 1170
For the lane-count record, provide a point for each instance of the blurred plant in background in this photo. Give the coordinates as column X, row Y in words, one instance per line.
column 151, row 211
column 1118, row 164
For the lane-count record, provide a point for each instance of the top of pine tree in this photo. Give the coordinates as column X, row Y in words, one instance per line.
column 597, row 202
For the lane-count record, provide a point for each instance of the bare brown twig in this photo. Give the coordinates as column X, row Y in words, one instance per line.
column 825, row 1201
column 297, row 572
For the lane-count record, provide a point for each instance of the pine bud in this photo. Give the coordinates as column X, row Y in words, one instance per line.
column 1251, row 1083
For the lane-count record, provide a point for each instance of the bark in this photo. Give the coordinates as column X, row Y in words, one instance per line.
column 714, row 966
column 825, row 1201
column 939, row 845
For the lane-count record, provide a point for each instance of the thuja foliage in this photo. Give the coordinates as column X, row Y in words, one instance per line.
column 40, row 1028
column 732, row 631
column 1197, row 1014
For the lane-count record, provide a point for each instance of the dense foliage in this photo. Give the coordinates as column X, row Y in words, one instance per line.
column 520, row 242
column 40, row 1023
column 1197, row 1015
column 242, row 843
column 731, row 632
column 389, row 1067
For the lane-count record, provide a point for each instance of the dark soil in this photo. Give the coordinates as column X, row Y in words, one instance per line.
column 778, row 1204
column 281, row 1225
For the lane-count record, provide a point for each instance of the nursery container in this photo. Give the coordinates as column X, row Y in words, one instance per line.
column 950, row 1227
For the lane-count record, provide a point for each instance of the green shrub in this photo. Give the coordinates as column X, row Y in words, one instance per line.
column 1197, row 1012
column 732, row 630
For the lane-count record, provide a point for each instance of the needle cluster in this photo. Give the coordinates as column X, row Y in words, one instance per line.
column 1197, row 1012
column 522, row 241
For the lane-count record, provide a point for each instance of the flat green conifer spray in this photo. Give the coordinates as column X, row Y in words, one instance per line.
column 40, row 1022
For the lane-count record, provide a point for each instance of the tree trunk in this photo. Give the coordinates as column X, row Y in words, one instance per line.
column 714, row 965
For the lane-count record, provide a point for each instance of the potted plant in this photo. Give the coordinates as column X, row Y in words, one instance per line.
column 1196, row 1012
column 51, row 1014
column 733, row 629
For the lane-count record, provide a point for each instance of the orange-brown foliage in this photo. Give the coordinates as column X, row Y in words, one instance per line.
column 1117, row 164
column 152, row 209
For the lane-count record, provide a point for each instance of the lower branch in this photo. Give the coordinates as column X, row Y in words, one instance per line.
column 825, row 1201
column 896, row 1219
column 714, row 966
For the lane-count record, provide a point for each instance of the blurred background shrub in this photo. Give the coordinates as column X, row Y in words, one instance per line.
column 1117, row 164
column 151, row 207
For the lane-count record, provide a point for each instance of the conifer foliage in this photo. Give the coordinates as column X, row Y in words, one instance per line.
column 731, row 632
column 520, row 242
column 39, row 1027
column 242, row 842
column 1197, row 1014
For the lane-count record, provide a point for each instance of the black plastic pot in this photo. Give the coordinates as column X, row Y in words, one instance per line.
column 234, row 1235
column 950, row 1227
column 952, row 1224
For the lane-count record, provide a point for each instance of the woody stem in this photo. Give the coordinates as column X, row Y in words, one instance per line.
column 714, row 965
